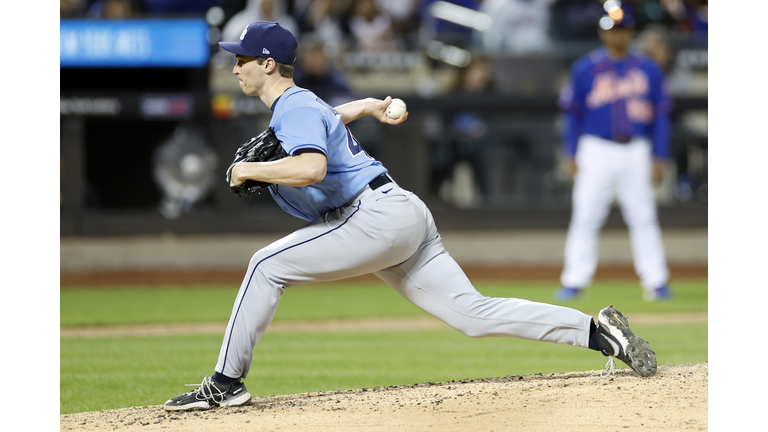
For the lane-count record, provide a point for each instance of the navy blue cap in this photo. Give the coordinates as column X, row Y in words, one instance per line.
column 265, row 39
column 617, row 16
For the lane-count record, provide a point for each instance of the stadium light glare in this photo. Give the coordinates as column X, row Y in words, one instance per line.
column 606, row 23
column 461, row 15
column 612, row 5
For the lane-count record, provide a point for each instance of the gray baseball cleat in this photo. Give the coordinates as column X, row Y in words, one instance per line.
column 616, row 339
column 210, row 393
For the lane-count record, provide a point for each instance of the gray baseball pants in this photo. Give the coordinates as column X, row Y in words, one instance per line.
column 391, row 233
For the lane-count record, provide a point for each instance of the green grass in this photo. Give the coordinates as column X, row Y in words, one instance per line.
column 131, row 306
column 108, row 373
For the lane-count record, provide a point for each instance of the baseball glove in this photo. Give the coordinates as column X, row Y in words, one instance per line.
column 263, row 148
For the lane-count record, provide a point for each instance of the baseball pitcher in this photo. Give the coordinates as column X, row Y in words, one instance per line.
column 359, row 221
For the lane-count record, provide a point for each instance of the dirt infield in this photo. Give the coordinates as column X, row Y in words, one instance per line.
column 676, row 399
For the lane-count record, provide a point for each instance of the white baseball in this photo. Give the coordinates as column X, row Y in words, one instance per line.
column 396, row 108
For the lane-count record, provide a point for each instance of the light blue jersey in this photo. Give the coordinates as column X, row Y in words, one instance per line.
column 301, row 120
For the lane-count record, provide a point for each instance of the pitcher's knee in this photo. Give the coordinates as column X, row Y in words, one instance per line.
column 259, row 258
column 266, row 268
column 473, row 331
column 472, row 326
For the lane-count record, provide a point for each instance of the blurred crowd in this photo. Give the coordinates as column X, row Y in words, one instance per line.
column 402, row 25
column 447, row 31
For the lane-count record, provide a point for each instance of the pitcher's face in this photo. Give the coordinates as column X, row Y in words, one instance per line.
column 250, row 74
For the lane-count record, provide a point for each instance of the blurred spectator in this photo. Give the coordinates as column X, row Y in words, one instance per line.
column 463, row 136
column 259, row 10
column 114, row 9
column 573, row 20
column 649, row 12
column 72, row 8
column 178, row 8
column 444, row 31
column 118, row 9
column 314, row 72
column 518, row 26
column 404, row 20
column 691, row 15
column 476, row 78
column 322, row 18
column 229, row 8
column 654, row 42
column 371, row 28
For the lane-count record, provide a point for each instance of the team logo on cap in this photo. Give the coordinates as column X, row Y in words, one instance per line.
column 245, row 30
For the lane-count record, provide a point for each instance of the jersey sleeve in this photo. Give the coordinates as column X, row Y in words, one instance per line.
column 303, row 128
column 662, row 107
column 572, row 129
column 661, row 130
column 571, row 101
column 659, row 93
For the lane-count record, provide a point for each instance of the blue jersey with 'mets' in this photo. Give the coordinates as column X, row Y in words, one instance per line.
column 617, row 100
column 302, row 120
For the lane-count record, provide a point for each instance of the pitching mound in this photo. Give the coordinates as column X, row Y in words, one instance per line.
column 673, row 400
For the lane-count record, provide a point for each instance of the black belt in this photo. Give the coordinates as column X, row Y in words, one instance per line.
column 622, row 139
column 380, row 181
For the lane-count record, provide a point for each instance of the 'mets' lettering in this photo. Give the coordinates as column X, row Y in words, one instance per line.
column 639, row 111
column 609, row 88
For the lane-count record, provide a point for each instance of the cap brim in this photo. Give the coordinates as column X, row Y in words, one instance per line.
column 234, row 47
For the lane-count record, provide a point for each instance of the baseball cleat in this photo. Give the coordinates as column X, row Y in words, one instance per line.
column 658, row 294
column 210, row 393
column 616, row 339
column 565, row 293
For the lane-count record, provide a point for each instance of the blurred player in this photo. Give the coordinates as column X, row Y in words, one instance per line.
column 616, row 138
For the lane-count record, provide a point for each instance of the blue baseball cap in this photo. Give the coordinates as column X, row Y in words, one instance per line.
column 265, row 39
column 617, row 16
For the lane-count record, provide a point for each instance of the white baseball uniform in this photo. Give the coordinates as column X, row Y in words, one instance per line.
column 616, row 121
column 608, row 170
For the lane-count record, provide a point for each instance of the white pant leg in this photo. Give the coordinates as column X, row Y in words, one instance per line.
column 638, row 208
column 381, row 231
column 435, row 283
column 593, row 193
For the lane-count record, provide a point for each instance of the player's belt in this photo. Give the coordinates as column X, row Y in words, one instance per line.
column 622, row 139
column 380, row 181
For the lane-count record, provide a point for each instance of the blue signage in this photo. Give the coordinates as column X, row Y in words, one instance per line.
column 134, row 43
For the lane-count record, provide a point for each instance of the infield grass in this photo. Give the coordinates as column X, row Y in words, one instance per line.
column 108, row 373
column 140, row 305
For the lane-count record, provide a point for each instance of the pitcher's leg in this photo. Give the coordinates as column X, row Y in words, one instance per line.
column 248, row 322
column 434, row 282
column 362, row 238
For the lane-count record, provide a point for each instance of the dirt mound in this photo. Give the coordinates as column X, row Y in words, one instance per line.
column 675, row 399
